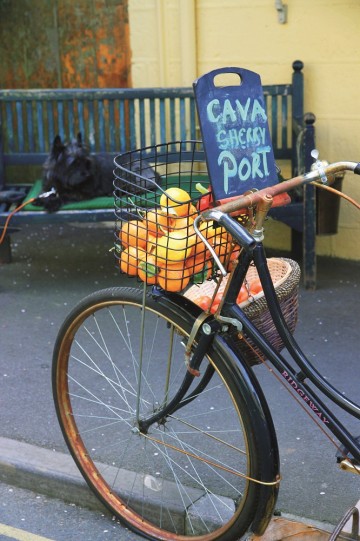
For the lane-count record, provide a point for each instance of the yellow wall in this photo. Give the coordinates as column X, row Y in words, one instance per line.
column 174, row 41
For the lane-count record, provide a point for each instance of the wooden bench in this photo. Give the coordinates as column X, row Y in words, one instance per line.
column 117, row 120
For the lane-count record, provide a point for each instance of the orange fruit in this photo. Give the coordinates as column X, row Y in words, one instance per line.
column 129, row 259
column 182, row 222
column 151, row 242
column 222, row 250
column 173, row 247
column 157, row 222
column 188, row 235
column 196, row 263
column 193, row 211
column 147, row 269
column 133, row 233
column 165, row 221
column 214, row 234
column 176, row 201
column 173, row 279
column 151, row 222
column 163, row 263
column 199, row 269
column 234, row 256
column 199, row 248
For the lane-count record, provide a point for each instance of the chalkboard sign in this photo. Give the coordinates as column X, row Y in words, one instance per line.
column 235, row 132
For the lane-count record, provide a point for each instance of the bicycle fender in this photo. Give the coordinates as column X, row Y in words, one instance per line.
column 178, row 303
column 267, row 445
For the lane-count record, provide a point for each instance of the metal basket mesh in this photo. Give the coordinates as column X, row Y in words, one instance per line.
column 157, row 198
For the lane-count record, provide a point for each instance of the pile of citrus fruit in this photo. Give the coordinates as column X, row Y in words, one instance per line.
column 162, row 247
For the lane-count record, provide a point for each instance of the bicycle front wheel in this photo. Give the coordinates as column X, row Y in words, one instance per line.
column 186, row 475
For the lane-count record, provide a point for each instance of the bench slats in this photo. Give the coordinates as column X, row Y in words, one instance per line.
column 103, row 113
column 117, row 121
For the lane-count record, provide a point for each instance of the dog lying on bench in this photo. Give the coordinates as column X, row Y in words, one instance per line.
column 73, row 174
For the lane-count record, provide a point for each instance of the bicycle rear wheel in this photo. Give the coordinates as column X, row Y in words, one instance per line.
column 186, row 475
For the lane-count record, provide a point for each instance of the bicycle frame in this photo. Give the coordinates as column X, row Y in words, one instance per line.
column 253, row 250
column 255, row 254
column 296, row 380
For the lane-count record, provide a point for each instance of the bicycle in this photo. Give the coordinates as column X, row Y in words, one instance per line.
column 156, row 397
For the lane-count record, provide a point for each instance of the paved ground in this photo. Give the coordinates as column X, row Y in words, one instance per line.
column 55, row 266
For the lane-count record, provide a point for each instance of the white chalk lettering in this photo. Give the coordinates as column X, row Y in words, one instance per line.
column 254, row 166
column 228, row 111
column 264, row 151
column 243, row 110
column 227, row 159
column 247, row 112
column 256, row 171
column 243, row 138
column 258, row 110
column 244, row 169
column 210, row 111
column 241, row 135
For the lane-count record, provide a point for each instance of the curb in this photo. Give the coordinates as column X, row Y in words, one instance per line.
column 47, row 472
column 55, row 474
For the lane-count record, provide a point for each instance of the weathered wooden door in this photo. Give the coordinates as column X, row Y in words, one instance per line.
column 61, row 43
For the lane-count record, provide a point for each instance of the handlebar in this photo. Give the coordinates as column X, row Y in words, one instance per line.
column 253, row 198
column 263, row 199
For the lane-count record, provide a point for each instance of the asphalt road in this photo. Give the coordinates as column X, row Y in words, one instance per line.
column 28, row 516
column 55, row 266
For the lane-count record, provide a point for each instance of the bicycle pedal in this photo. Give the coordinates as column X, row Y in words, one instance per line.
column 346, row 460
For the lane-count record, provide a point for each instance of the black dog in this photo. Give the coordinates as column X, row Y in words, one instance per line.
column 76, row 175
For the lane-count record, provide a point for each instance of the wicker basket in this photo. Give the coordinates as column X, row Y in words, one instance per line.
column 285, row 274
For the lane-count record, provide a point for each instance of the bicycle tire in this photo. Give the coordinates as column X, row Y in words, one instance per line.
column 184, row 478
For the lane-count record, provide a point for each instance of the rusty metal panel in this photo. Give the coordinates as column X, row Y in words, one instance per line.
column 59, row 43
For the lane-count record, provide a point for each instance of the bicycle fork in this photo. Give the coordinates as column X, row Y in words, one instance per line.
column 203, row 332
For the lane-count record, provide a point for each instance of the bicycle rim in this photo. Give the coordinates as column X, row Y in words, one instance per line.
column 184, row 478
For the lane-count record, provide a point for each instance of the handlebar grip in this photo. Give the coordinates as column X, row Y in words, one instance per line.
column 357, row 169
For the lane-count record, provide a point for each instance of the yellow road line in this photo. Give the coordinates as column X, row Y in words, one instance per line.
column 21, row 535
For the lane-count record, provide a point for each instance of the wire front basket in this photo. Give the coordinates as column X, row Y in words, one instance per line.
column 159, row 191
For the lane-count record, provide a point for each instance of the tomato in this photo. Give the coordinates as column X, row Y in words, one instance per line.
column 204, row 302
column 255, row 286
column 218, row 298
column 206, row 201
column 214, row 307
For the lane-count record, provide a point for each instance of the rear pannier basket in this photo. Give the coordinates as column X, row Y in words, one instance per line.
column 285, row 274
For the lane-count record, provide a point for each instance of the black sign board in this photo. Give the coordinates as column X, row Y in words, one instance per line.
column 235, row 132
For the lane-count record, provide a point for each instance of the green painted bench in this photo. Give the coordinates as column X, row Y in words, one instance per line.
column 117, row 120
